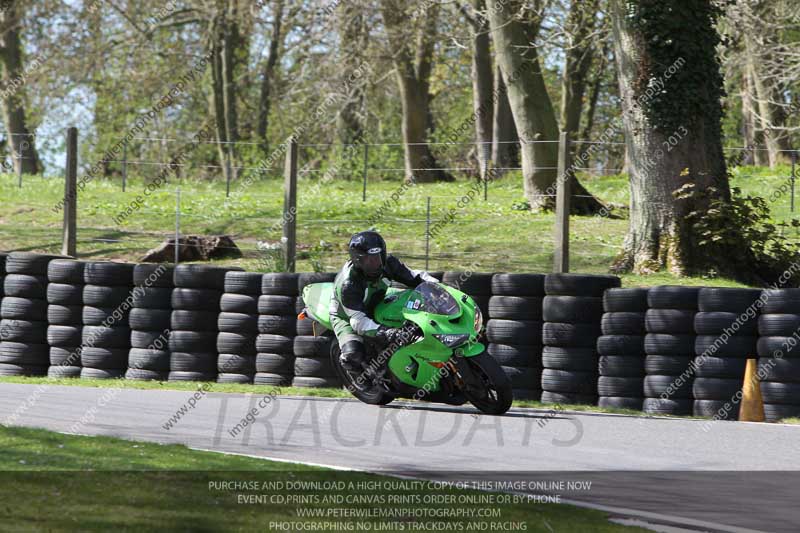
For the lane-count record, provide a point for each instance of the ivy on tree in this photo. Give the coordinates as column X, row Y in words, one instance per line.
column 678, row 31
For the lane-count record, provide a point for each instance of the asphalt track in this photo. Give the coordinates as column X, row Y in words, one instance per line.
column 706, row 477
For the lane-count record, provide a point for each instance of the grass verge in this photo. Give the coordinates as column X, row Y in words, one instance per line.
column 57, row 482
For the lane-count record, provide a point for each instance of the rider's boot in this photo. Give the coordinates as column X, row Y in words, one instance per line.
column 353, row 357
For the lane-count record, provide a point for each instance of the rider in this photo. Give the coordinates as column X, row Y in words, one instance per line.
column 358, row 288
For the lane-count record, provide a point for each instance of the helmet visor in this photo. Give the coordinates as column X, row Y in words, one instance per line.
column 371, row 264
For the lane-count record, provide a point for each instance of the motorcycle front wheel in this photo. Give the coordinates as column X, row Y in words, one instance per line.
column 497, row 395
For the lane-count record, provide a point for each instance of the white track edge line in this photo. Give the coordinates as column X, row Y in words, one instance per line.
column 663, row 517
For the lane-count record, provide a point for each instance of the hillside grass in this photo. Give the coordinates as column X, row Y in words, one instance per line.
column 494, row 235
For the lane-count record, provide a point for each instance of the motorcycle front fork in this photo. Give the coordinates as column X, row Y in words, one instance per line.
column 464, row 376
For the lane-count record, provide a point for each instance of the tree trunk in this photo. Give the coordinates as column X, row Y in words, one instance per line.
column 532, row 108
column 594, row 95
column 778, row 116
column 267, row 75
column 505, row 147
column 226, row 40
column 578, row 59
column 413, row 69
column 482, row 82
column 21, row 142
column 230, row 44
column 217, row 99
column 421, row 165
column 659, row 235
column 353, row 31
column 748, row 130
column 759, row 154
column 626, row 161
column 770, row 115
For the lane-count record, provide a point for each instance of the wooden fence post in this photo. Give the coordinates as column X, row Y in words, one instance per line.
column 69, row 228
column 793, row 177
column 124, row 166
column 178, row 225
column 289, row 240
column 364, row 173
column 563, row 192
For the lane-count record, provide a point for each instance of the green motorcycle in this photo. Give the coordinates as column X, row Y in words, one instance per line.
column 438, row 357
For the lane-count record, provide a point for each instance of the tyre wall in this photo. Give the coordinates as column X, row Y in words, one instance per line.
column 779, row 353
column 621, row 349
column 514, row 330
column 669, row 345
column 150, row 322
column 65, row 317
column 312, row 353
column 564, row 338
column 277, row 328
column 106, row 335
column 24, row 350
column 238, row 324
column 726, row 325
column 194, row 322
column 572, row 311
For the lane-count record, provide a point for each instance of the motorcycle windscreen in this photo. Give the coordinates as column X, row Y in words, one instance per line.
column 434, row 299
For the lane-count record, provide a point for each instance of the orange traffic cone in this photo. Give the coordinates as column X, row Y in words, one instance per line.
column 752, row 408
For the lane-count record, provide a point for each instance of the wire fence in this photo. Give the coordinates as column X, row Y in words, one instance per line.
column 141, row 157
column 482, row 222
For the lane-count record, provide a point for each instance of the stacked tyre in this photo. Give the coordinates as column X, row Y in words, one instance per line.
column 277, row 324
column 669, row 345
column 24, row 350
column 514, row 330
column 621, row 349
column 65, row 317
column 106, row 335
column 477, row 285
column 312, row 353
column 779, row 353
column 195, row 312
column 727, row 334
column 572, row 311
column 150, row 322
column 238, row 327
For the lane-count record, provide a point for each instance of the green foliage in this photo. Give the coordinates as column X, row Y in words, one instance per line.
column 315, row 255
column 682, row 34
column 270, row 258
column 524, row 205
column 740, row 235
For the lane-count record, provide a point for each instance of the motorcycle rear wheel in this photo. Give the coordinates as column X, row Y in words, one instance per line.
column 498, row 394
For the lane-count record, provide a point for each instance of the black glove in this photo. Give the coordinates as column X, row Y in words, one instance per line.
column 389, row 336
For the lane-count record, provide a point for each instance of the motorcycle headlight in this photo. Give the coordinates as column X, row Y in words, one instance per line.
column 478, row 319
column 451, row 340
